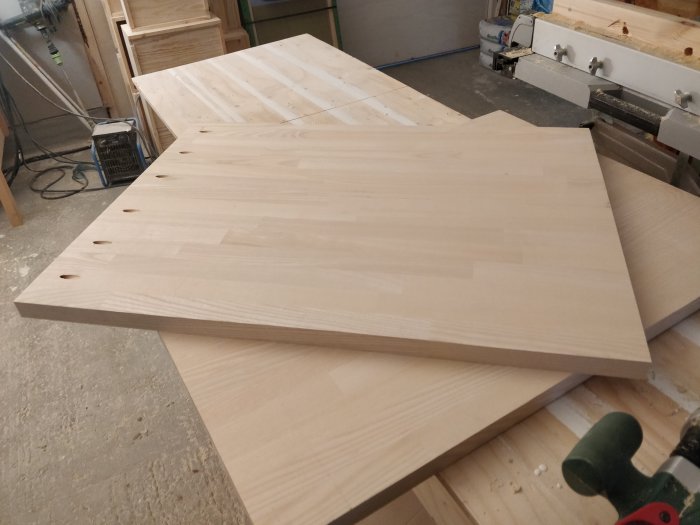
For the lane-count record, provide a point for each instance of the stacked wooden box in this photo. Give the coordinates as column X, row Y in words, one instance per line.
column 161, row 34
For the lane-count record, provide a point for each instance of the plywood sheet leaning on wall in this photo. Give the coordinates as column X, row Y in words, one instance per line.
column 421, row 241
column 656, row 33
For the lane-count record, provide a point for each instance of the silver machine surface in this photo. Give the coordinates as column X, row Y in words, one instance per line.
column 650, row 93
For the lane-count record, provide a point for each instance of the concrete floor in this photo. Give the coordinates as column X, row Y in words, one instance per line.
column 95, row 423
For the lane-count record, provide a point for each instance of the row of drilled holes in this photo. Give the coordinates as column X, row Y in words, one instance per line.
column 126, row 210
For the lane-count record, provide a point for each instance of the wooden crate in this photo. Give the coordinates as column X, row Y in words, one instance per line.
column 151, row 13
column 236, row 40
column 161, row 48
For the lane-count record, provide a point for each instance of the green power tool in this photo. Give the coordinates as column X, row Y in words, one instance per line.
column 600, row 464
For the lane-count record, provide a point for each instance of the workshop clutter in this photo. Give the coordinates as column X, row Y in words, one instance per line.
column 494, row 34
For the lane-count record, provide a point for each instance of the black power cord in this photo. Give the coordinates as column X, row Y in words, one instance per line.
column 11, row 110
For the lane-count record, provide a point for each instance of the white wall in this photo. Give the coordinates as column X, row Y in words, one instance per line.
column 385, row 31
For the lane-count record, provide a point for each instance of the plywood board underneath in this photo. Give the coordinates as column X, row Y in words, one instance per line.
column 312, row 436
column 420, row 241
column 284, row 81
column 660, row 220
column 332, row 466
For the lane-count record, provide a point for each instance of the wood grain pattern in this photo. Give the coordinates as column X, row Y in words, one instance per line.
column 650, row 31
column 149, row 13
column 386, row 253
column 635, row 198
column 496, row 483
column 316, row 436
column 285, row 81
column 166, row 47
column 203, row 365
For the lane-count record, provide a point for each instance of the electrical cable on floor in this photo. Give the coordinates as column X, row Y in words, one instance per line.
column 48, row 192
column 80, row 115
column 10, row 108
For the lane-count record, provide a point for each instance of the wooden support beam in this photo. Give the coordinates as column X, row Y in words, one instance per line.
column 93, row 54
column 6, row 198
column 657, row 33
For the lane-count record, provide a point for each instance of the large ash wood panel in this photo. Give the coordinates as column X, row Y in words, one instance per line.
column 153, row 50
column 396, row 391
column 365, row 379
column 496, row 483
column 421, row 241
column 149, row 13
column 279, row 82
column 361, row 387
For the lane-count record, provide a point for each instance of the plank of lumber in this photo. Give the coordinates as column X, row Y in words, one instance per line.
column 97, row 65
column 150, row 13
column 496, row 483
column 214, row 371
column 650, row 31
column 436, row 263
column 7, row 200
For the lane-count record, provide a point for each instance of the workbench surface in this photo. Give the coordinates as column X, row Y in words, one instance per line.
column 497, row 482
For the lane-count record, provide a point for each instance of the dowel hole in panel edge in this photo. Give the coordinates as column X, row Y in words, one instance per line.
column 185, row 152
column 69, row 276
column 101, row 242
column 205, row 131
column 130, row 210
column 161, row 176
